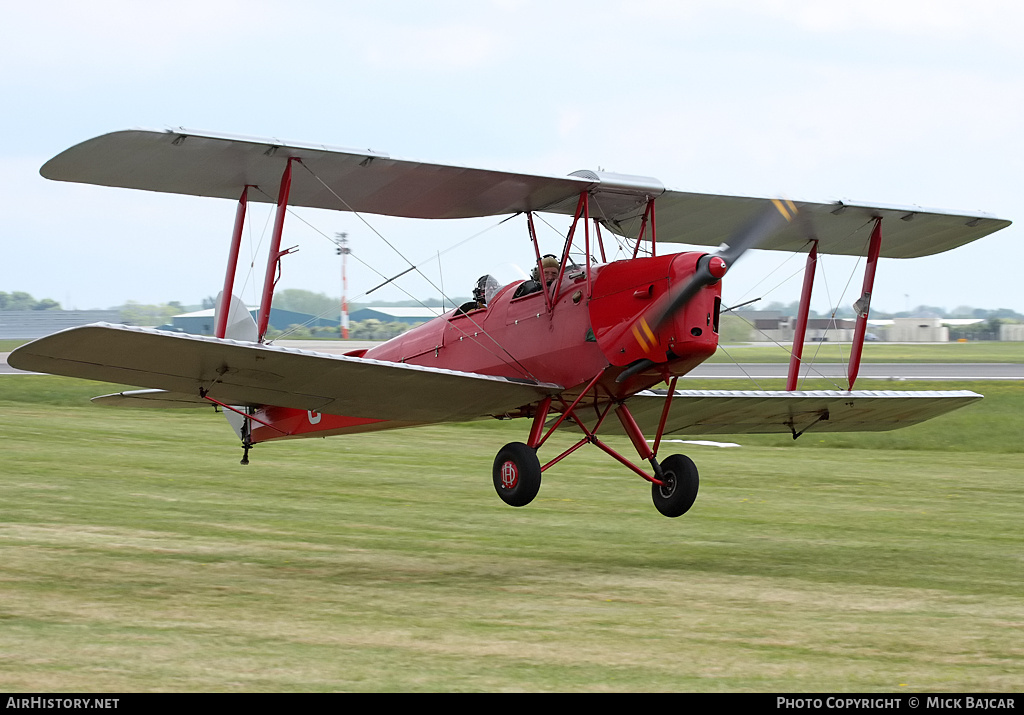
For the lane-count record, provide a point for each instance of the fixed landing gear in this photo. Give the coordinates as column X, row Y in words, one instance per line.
column 678, row 490
column 517, row 471
column 516, row 474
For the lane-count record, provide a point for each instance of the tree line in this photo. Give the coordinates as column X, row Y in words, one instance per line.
column 321, row 305
column 19, row 300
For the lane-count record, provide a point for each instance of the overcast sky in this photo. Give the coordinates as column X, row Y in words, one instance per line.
column 886, row 101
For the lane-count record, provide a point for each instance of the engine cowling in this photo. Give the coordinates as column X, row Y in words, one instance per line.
column 626, row 297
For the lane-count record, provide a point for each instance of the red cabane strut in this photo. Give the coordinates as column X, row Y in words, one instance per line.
column 538, row 435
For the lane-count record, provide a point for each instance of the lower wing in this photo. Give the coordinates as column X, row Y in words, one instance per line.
column 186, row 369
column 699, row 412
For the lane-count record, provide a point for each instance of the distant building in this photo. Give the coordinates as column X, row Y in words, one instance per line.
column 397, row 315
column 31, row 324
column 772, row 326
column 201, row 322
column 918, row 330
column 1011, row 332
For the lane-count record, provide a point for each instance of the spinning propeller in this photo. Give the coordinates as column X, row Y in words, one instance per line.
column 710, row 269
column 713, row 266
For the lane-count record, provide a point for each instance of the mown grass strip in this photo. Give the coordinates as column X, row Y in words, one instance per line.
column 138, row 555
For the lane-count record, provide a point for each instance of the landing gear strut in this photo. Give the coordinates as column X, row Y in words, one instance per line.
column 517, row 471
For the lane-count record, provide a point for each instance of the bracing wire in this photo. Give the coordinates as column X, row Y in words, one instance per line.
column 413, row 267
column 835, row 306
column 379, row 235
column 809, row 366
column 737, row 363
column 770, row 274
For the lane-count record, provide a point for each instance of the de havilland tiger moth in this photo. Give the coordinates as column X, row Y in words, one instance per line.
column 590, row 339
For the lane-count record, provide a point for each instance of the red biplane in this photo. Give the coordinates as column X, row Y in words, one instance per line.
column 566, row 354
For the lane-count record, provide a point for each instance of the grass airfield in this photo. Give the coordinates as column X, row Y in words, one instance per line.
column 138, row 555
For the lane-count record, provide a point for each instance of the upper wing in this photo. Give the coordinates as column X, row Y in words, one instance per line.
column 204, row 164
column 238, row 373
column 697, row 412
column 839, row 228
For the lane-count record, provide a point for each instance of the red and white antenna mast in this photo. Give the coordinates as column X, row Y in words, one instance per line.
column 341, row 240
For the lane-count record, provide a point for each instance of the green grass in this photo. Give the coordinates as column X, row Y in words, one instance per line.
column 138, row 555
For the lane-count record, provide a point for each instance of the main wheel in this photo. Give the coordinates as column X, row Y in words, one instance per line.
column 516, row 474
column 676, row 495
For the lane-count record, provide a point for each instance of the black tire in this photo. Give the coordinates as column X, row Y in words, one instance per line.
column 677, row 494
column 516, row 474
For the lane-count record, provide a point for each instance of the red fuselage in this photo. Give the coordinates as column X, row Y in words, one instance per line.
column 590, row 329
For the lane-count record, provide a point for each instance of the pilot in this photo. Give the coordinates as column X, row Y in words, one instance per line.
column 549, row 265
column 479, row 297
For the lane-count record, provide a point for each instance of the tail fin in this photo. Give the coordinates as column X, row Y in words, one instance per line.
column 241, row 326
